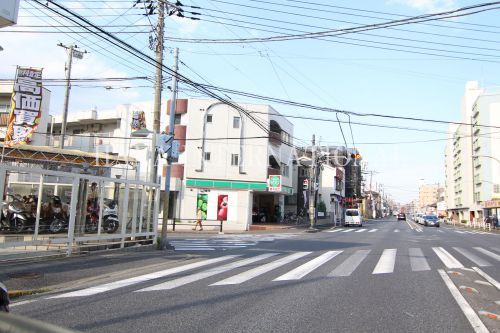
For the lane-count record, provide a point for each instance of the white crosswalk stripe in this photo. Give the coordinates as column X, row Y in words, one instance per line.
column 143, row 278
column 396, row 230
column 334, row 230
column 362, row 230
column 225, row 242
column 350, row 264
column 386, row 262
column 417, row 260
column 488, row 253
column 202, row 275
column 308, row 267
column 447, row 258
column 472, row 257
column 373, row 230
column 245, row 276
column 347, row 230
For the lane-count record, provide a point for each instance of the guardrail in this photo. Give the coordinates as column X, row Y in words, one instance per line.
column 176, row 222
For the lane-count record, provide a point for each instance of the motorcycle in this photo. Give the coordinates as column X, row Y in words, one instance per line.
column 21, row 214
column 56, row 213
column 110, row 222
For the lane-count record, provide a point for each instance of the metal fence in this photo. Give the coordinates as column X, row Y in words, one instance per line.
column 67, row 212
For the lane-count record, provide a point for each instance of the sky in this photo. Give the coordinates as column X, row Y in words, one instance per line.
column 417, row 70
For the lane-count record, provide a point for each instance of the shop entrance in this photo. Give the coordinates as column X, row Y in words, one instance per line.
column 265, row 208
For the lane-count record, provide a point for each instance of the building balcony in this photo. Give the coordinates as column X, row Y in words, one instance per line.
column 275, row 138
column 273, row 172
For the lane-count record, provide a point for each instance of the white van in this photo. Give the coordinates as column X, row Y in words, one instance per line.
column 353, row 217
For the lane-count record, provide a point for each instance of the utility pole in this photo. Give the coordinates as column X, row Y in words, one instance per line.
column 71, row 51
column 312, row 181
column 166, row 201
column 473, row 206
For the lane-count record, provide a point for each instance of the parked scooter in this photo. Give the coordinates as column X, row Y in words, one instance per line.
column 110, row 222
column 21, row 213
column 56, row 213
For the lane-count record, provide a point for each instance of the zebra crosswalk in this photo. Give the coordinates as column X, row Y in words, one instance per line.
column 225, row 242
column 299, row 265
column 413, row 230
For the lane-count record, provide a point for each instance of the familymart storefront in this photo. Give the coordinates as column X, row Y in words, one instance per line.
column 492, row 208
column 238, row 204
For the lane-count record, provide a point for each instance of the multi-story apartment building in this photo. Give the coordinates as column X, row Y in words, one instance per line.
column 472, row 157
column 427, row 197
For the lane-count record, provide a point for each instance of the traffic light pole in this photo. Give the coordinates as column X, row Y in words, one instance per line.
column 312, row 185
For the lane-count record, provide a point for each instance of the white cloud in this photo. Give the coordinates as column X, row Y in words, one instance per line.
column 428, row 5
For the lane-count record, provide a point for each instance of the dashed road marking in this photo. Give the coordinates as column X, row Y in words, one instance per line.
column 472, row 257
column 308, row 267
column 350, row 264
column 386, row 262
column 447, row 258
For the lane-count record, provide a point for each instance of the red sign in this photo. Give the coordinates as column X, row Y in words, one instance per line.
column 492, row 203
column 222, row 204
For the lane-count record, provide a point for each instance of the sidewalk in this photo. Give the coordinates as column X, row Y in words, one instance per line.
column 466, row 227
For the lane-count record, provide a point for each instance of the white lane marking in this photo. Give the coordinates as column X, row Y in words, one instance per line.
column 472, row 257
column 417, row 260
column 419, row 230
column 469, row 313
column 460, row 232
column 142, row 278
column 202, row 275
column 348, row 230
column 350, row 264
column 362, row 230
column 334, row 230
column 487, row 277
column 447, row 258
column 250, row 274
column 411, row 227
column 22, row 303
column 308, row 267
column 440, row 231
column 484, row 283
column 373, row 230
column 194, row 249
column 488, row 253
column 396, row 230
column 386, row 262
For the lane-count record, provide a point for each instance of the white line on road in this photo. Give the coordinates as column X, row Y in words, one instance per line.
column 142, row 278
column 488, row 253
column 334, row 230
column 373, row 230
column 308, row 267
column 472, row 257
column 250, row 274
column 396, row 230
column 194, row 249
column 447, row 258
column 22, row 303
column 417, row 260
column 409, row 224
column 487, row 277
column 350, row 264
column 471, row 315
column 362, row 230
column 386, row 262
column 460, row 232
column 202, row 275
column 348, row 230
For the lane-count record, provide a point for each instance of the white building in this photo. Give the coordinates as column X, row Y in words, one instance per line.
column 472, row 156
column 227, row 157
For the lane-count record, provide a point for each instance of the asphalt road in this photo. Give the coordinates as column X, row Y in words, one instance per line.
column 387, row 276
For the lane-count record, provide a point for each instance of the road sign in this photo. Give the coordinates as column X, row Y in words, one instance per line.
column 274, row 183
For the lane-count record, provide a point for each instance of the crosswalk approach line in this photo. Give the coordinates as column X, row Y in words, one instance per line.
column 488, row 253
column 350, row 264
column 308, row 267
column 252, row 273
column 417, row 260
column 386, row 262
column 373, row 230
column 472, row 257
column 447, row 259
column 348, row 230
column 142, row 278
column 205, row 274
column 361, row 230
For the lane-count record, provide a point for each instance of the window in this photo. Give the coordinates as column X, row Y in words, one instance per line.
column 236, row 122
column 234, row 159
column 285, row 170
column 207, row 156
column 209, row 118
column 177, row 119
column 496, row 188
column 4, row 107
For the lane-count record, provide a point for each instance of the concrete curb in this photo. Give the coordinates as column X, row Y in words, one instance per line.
column 26, row 292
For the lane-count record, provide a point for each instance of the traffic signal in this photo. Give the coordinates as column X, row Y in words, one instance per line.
column 356, row 156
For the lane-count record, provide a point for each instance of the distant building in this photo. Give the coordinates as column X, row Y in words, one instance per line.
column 428, row 197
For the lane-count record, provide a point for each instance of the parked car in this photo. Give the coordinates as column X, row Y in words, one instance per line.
column 430, row 220
column 402, row 216
column 418, row 218
column 353, row 217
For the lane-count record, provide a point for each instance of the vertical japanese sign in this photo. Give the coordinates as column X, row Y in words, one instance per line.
column 201, row 204
column 26, row 106
column 222, row 204
column 138, row 120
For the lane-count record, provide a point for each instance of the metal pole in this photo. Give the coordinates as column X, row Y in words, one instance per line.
column 312, row 181
column 66, row 96
column 166, row 201
column 472, row 167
